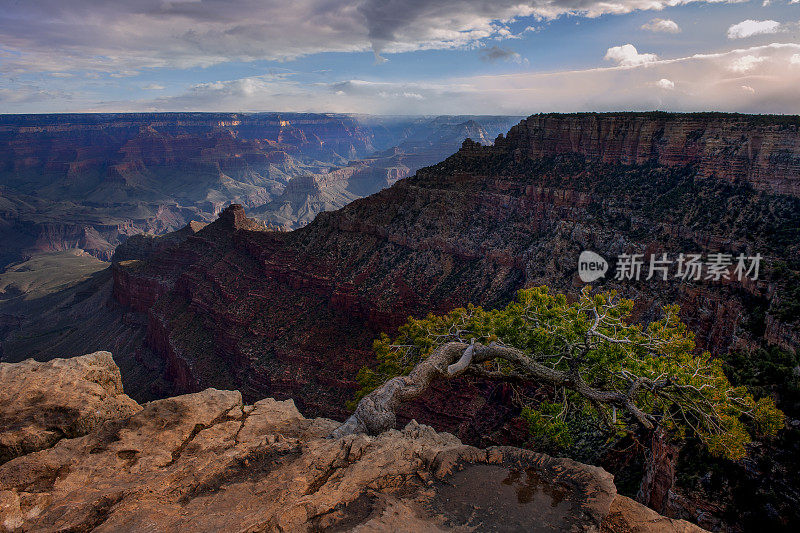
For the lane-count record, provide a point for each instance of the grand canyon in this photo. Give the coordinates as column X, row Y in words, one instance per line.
column 378, row 266
column 231, row 290
column 91, row 181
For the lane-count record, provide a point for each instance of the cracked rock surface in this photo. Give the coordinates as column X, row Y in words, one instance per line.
column 206, row 462
column 42, row 403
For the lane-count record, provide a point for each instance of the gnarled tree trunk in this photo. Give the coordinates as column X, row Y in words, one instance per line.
column 375, row 412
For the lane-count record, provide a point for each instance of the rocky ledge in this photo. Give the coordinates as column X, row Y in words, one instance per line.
column 42, row 403
column 206, row 462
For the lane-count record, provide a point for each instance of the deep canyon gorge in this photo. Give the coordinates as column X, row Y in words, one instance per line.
column 390, row 220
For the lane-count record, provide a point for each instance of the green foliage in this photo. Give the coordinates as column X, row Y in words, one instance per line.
column 592, row 338
column 546, row 423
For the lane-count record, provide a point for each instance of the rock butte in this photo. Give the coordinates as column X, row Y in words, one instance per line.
column 206, row 462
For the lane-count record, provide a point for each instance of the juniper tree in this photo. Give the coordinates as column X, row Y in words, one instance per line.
column 588, row 352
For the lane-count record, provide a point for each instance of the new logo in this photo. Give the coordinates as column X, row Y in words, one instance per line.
column 591, row 266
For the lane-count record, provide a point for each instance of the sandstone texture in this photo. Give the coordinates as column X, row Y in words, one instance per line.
column 143, row 245
column 206, row 462
column 294, row 315
column 628, row 516
column 42, row 403
column 764, row 151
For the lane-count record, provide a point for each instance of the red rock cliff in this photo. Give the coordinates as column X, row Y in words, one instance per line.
column 294, row 314
column 762, row 151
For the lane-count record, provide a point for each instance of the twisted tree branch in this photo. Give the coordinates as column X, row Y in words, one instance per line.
column 375, row 412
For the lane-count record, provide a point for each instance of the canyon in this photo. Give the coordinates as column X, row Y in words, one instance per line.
column 236, row 305
column 90, row 181
column 274, row 309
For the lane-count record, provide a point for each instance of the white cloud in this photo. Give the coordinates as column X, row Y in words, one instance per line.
column 124, row 74
column 664, row 83
column 746, row 63
column 389, row 94
column 627, row 56
column 154, row 87
column 662, row 26
column 27, row 94
column 704, row 80
column 748, row 89
column 795, row 59
column 748, row 28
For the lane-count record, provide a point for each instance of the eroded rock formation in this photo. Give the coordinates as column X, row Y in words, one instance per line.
column 206, row 462
column 92, row 180
column 42, row 403
column 764, row 151
column 294, row 315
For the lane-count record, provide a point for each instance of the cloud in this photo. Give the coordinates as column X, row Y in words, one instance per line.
column 664, row 83
column 497, row 53
column 795, row 59
column 124, row 73
column 154, row 87
column 627, row 56
column 115, row 37
column 745, row 63
column 661, row 26
column 28, row 94
column 748, row 28
column 282, row 93
column 405, row 94
column 700, row 82
column 119, row 37
column 256, row 93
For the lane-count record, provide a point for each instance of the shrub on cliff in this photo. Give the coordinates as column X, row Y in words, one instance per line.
column 589, row 353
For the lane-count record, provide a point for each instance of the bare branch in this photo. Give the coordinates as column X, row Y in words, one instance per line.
column 462, row 364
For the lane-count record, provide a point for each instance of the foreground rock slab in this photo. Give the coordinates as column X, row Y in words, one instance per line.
column 206, row 462
column 42, row 403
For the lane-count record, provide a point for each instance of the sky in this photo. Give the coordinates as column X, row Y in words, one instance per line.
column 409, row 57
